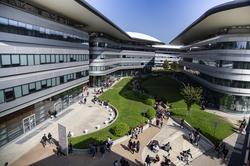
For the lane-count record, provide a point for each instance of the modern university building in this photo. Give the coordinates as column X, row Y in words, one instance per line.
column 51, row 49
column 217, row 54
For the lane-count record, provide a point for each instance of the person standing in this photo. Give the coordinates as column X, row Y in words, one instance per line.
column 116, row 163
column 138, row 145
column 161, row 123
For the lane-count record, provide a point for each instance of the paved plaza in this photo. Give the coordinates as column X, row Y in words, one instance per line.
column 76, row 118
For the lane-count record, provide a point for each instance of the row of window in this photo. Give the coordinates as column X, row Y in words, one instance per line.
column 237, row 45
column 103, row 68
column 13, row 60
column 10, row 94
column 107, row 56
column 226, row 82
column 220, row 63
column 120, row 46
column 17, row 27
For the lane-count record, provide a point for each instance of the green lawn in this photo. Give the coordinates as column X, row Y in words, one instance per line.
column 130, row 111
column 168, row 88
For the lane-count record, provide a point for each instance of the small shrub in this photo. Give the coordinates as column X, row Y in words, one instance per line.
column 120, row 129
column 150, row 102
column 150, row 114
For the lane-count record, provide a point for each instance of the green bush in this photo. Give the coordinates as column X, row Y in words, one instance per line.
column 120, row 129
column 150, row 102
column 150, row 114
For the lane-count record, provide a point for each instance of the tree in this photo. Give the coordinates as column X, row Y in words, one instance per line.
column 191, row 95
column 175, row 66
column 165, row 65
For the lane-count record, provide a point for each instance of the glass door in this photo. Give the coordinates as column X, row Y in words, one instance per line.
column 29, row 123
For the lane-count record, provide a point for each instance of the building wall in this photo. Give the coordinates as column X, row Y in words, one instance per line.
column 222, row 64
column 108, row 56
column 161, row 57
column 43, row 67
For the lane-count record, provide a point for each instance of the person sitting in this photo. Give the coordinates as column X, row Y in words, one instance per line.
column 155, row 148
column 167, row 148
column 156, row 159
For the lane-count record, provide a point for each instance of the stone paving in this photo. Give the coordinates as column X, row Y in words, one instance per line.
column 177, row 137
column 76, row 118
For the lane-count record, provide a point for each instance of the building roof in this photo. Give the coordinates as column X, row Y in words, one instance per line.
column 141, row 36
column 234, row 13
column 167, row 46
column 91, row 20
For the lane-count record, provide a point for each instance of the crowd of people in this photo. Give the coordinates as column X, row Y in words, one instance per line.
column 101, row 147
column 134, row 143
column 46, row 139
column 83, row 96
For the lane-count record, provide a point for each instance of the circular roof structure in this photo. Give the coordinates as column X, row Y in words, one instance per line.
column 141, row 36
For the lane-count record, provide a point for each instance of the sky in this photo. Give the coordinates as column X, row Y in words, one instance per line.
column 162, row 19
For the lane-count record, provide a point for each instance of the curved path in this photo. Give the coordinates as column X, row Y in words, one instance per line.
column 75, row 118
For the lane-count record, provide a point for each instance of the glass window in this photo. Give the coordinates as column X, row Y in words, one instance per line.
column 9, row 94
column 1, row 96
column 57, row 80
column 38, row 85
column 61, row 58
column 25, row 89
column 48, row 59
column 30, row 60
column 29, row 26
column 53, row 81
column 65, row 58
column 23, row 59
column 18, row 91
column 3, row 21
column 241, row 44
column 53, row 58
column 65, row 78
column 44, row 84
column 6, row 60
column 13, row 23
column 15, row 59
column 20, row 24
column 41, row 30
column 32, row 87
column 49, row 83
column 57, row 58
column 37, row 59
column 43, row 59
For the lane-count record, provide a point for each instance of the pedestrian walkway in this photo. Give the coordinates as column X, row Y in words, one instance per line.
column 40, row 156
column 76, row 118
column 171, row 132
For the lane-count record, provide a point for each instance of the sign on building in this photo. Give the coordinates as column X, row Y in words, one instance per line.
column 63, row 139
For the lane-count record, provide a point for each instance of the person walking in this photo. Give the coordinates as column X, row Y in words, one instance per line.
column 138, row 145
column 148, row 160
column 102, row 150
column 44, row 140
column 50, row 138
